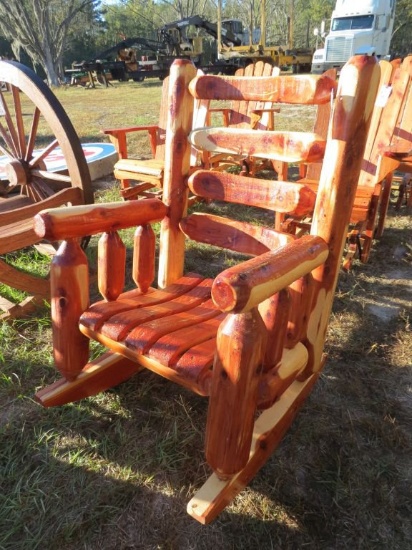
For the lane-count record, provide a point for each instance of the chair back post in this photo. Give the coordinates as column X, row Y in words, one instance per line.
column 176, row 170
column 350, row 124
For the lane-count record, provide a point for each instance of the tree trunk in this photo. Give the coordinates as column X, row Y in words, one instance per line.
column 51, row 73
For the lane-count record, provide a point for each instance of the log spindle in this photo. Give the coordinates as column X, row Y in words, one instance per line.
column 241, row 343
column 111, row 265
column 144, row 257
column 275, row 315
column 301, row 294
column 69, row 283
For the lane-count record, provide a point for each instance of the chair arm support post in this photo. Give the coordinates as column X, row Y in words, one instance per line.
column 79, row 221
column 237, row 371
column 242, row 287
column 69, row 284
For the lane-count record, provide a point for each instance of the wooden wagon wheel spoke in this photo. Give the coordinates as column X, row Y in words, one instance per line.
column 32, row 134
column 19, row 122
column 51, row 176
column 13, row 138
column 40, row 189
column 10, row 150
column 4, row 150
column 44, row 153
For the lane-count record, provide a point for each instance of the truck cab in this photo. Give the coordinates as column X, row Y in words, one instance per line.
column 357, row 27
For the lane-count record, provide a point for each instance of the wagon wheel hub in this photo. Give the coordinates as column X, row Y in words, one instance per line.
column 17, row 172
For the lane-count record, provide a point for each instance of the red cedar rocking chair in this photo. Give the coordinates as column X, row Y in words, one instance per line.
column 253, row 338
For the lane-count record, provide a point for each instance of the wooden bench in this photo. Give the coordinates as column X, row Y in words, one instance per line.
column 252, row 339
column 383, row 154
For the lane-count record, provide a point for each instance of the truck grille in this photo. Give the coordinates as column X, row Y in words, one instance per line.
column 339, row 49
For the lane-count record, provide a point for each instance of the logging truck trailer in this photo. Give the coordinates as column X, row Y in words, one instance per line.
column 253, row 46
column 357, row 27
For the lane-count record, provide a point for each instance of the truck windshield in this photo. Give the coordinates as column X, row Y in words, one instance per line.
column 351, row 23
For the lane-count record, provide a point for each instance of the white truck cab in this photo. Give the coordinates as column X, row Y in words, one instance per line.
column 357, row 27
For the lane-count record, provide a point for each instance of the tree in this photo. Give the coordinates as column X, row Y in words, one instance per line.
column 40, row 28
column 401, row 36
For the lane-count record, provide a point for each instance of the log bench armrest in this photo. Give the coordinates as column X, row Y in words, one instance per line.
column 242, row 287
column 80, row 221
column 398, row 151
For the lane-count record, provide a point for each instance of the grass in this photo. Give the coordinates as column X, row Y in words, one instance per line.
column 115, row 471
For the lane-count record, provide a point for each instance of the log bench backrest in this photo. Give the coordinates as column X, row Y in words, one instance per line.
column 242, row 114
column 389, row 105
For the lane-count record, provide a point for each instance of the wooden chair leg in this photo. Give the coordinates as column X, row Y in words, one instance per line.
column 384, row 204
column 269, row 430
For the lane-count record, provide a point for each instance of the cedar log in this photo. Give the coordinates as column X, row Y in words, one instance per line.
column 244, row 286
column 301, row 89
column 78, row 221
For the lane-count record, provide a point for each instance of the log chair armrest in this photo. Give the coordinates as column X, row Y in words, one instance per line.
column 243, row 287
column 224, row 111
column 398, row 151
column 118, row 136
column 79, row 221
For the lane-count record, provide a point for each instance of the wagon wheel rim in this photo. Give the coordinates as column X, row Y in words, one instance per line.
column 32, row 127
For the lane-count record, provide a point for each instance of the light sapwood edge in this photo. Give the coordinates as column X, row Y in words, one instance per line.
column 241, row 288
column 80, row 221
column 216, row 494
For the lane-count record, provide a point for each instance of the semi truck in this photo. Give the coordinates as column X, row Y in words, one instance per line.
column 357, row 27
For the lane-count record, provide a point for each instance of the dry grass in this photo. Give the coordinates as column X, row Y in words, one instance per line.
column 115, row 472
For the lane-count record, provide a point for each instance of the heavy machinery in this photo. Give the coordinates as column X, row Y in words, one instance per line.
column 253, row 45
column 138, row 58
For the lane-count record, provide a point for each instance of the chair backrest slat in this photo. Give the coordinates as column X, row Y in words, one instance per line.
column 299, row 89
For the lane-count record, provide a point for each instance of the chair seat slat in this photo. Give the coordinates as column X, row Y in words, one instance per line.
column 118, row 326
column 143, row 337
column 94, row 317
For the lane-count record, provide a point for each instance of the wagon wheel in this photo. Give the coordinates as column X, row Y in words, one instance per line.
column 33, row 126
